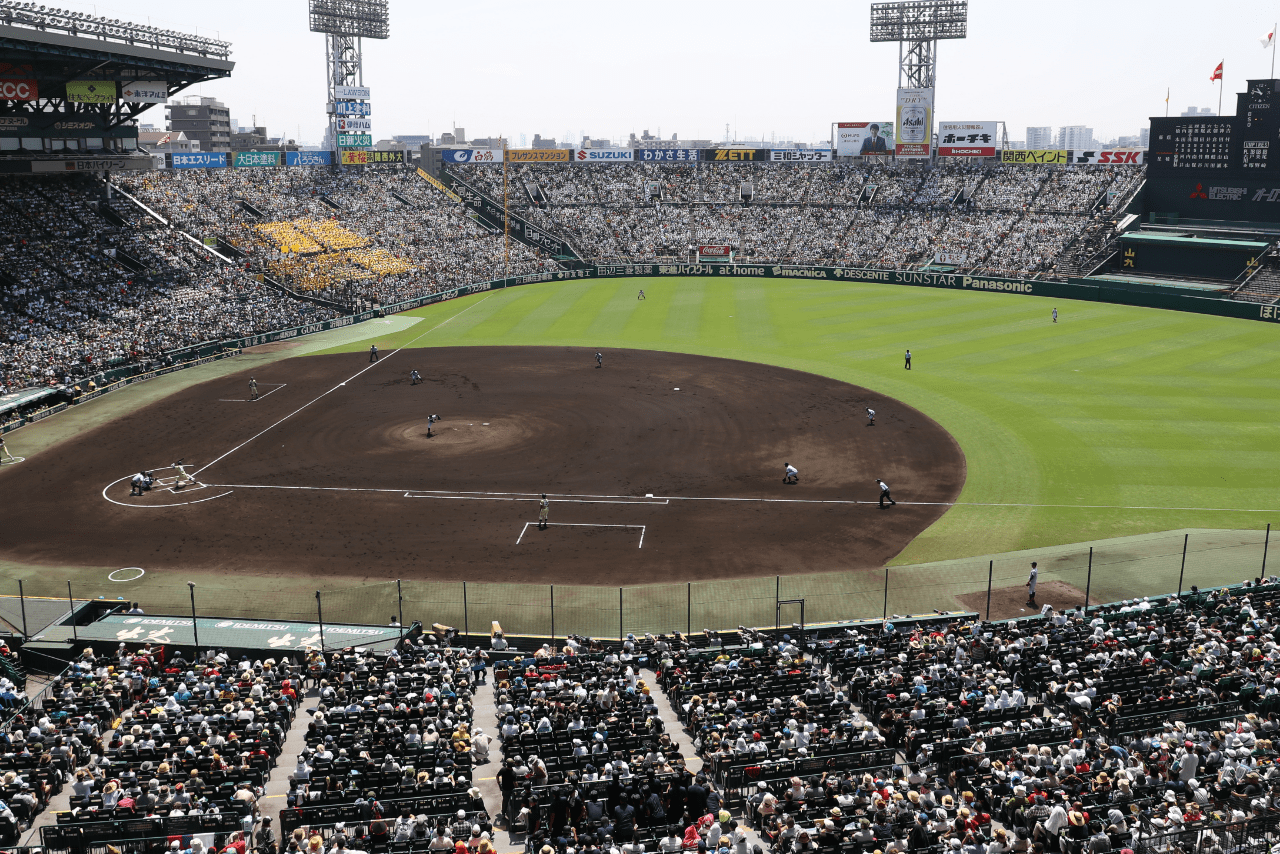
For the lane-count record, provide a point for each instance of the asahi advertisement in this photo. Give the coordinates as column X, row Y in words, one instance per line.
column 915, row 123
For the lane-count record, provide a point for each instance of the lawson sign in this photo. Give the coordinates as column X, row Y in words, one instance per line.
column 592, row 155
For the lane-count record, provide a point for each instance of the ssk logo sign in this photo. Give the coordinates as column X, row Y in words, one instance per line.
column 19, row 90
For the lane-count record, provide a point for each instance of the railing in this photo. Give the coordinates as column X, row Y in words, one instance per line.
column 29, row 15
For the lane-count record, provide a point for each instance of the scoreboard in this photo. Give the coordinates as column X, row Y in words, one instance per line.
column 1221, row 146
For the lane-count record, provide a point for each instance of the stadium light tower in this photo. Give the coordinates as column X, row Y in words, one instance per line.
column 345, row 23
column 917, row 26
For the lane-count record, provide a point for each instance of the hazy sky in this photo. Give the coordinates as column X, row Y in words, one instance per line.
column 691, row 66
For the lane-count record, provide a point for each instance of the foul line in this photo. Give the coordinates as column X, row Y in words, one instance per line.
column 579, row 525
column 368, row 367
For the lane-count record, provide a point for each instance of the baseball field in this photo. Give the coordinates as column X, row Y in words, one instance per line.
column 1117, row 426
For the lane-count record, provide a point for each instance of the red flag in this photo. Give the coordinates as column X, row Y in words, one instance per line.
column 1217, row 73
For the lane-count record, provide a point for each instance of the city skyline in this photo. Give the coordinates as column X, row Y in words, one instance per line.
column 693, row 69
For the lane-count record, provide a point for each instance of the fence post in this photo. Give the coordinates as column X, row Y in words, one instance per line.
column 195, row 629
column 688, row 599
column 991, row 569
column 1088, row 582
column 621, row 636
column 553, row 616
column 22, row 601
column 885, row 616
column 777, row 594
column 320, row 621
column 1183, row 568
column 466, row 623
column 72, row 602
column 400, row 608
column 1266, row 542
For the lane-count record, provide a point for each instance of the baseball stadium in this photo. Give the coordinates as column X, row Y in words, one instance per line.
column 908, row 494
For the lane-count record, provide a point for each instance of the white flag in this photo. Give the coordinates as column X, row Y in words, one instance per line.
column 1266, row 43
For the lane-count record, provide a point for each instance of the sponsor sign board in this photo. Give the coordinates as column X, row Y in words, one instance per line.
column 601, row 155
column 714, row 251
column 538, row 155
column 1120, row 157
column 308, row 158
column 435, row 182
column 145, row 92
column 355, row 158
column 91, row 91
column 250, row 159
column 966, row 139
column 854, row 139
column 730, row 155
column 351, row 140
column 94, row 164
column 471, row 155
column 1034, row 156
column 200, row 160
column 800, row 155
column 350, row 125
column 385, row 156
column 953, row 259
column 352, row 108
column 19, row 90
column 351, row 93
column 667, row 155
column 914, row 123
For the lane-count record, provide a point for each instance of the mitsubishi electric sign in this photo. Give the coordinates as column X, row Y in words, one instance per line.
column 605, row 155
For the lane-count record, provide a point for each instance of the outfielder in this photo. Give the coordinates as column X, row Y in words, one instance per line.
column 414, row 377
column 790, row 474
column 253, row 389
column 544, row 511
column 4, row 452
column 184, row 479
column 641, row 296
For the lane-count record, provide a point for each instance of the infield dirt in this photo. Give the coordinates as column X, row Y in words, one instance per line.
column 334, row 474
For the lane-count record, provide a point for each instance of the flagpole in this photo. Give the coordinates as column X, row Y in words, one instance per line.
column 1168, row 91
column 1222, row 83
column 1273, row 50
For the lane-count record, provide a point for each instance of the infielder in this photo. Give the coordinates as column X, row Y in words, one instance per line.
column 884, row 493
column 871, row 417
column 184, row 479
column 599, row 360
column 253, row 389
column 414, row 377
column 4, row 452
column 544, row 511
column 790, row 474
column 373, row 352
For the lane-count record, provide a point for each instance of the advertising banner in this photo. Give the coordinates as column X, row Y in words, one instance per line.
column 729, row 155
column 251, row 159
column 914, row 123
column 800, row 155
column 854, row 139
column 19, row 90
column 966, row 139
column 385, row 156
column 352, row 108
column 351, row 93
column 1046, row 156
column 200, row 160
column 1123, row 157
column 668, row 155
column 308, row 158
column 435, row 182
column 538, row 155
column 351, row 140
column 94, row 164
column 145, row 92
column 714, row 251
column 594, row 155
column 471, row 155
column 350, row 125
column 355, row 158
column 91, row 91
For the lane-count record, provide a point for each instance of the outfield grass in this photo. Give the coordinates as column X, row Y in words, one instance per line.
column 1114, row 405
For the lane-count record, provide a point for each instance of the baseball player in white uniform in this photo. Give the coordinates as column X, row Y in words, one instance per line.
column 431, row 419
column 544, row 511
column 4, row 452
column 253, row 389
column 184, row 479
column 871, row 417
column 790, row 474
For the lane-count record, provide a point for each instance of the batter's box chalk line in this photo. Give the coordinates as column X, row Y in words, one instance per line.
column 525, row 529
column 164, row 484
column 12, row 462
